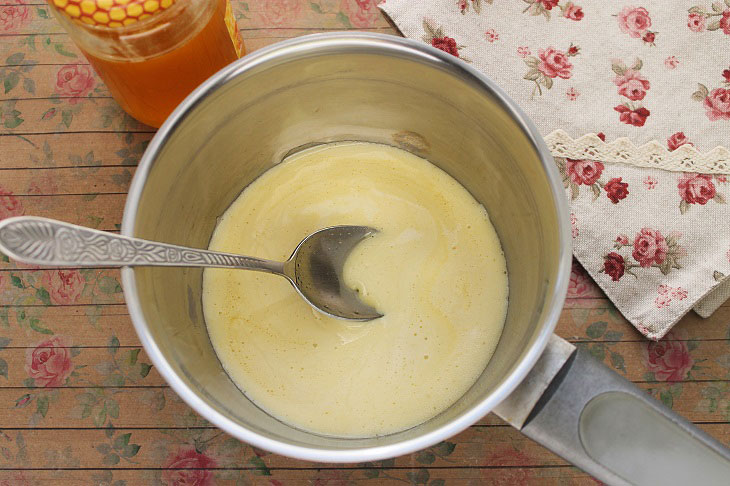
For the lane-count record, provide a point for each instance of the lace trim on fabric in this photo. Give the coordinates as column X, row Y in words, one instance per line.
column 653, row 154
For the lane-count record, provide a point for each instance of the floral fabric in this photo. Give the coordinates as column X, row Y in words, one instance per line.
column 618, row 88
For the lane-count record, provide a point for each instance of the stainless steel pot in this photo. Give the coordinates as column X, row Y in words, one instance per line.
column 385, row 89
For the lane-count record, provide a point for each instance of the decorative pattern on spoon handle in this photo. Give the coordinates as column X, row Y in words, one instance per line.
column 43, row 241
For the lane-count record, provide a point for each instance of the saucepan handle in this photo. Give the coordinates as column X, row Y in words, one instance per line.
column 591, row 416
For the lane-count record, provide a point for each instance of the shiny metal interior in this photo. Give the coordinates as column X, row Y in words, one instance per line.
column 328, row 88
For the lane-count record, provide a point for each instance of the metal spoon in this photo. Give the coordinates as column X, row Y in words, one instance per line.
column 315, row 268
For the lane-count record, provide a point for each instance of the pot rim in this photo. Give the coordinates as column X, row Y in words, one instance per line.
column 358, row 41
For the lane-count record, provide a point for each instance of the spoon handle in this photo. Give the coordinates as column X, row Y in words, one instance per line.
column 42, row 241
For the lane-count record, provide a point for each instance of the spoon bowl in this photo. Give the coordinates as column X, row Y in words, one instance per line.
column 315, row 268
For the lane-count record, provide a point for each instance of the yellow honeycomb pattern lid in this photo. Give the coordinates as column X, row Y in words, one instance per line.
column 110, row 13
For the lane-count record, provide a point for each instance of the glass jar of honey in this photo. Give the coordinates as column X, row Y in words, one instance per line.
column 152, row 53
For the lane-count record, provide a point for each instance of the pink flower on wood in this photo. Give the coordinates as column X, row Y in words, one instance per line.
column 13, row 17
column 362, row 13
column 10, row 205
column 188, row 467
column 63, row 286
column 74, row 80
column 49, row 363
column 668, row 359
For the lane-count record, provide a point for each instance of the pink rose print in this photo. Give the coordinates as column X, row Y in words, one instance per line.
column 725, row 22
column 464, row 5
column 668, row 360
column 614, row 266
column 362, row 13
column 721, row 179
column 446, row 44
column 679, row 293
column 726, row 75
column 616, row 190
column 63, row 286
column 696, row 188
column 548, row 4
column 634, row 21
column 650, row 182
column 662, row 301
column 574, row 225
column 49, row 363
column 572, row 94
column 437, row 38
column 281, row 12
column 74, row 80
column 13, row 17
column 650, row 247
column 9, row 205
column 491, row 35
column 664, row 289
column 584, row 172
column 523, row 51
column 554, row 63
column 573, row 12
column 677, row 140
column 649, row 38
column 632, row 85
column 602, row 136
column 696, row 22
column 636, row 117
column 671, row 62
column 717, row 104
column 188, row 468
column 713, row 18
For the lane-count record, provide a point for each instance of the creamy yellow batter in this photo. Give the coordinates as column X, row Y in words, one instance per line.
column 436, row 270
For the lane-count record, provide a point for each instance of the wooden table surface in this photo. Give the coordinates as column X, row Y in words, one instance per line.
column 79, row 401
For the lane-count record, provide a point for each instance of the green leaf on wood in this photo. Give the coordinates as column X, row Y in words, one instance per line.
column 444, row 449
column 315, row 7
column 35, row 325
column 144, row 369
column 419, row 477
column 121, row 441
column 67, row 117
column 597, row 329
column 16, row 58
column 426, row 457
column 132, row 356
column 110, row 459
column 11, row 81
column 59, row 48
column 43, row 296
column 4, row 368
column 42, row 405
column 109, row 285
column 29, row 85
column 113, row 345
column 260, row 467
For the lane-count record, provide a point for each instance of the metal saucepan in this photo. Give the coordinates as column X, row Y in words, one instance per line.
column 385, row 89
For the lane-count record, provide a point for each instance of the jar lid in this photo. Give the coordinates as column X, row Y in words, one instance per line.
column 111, row 13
